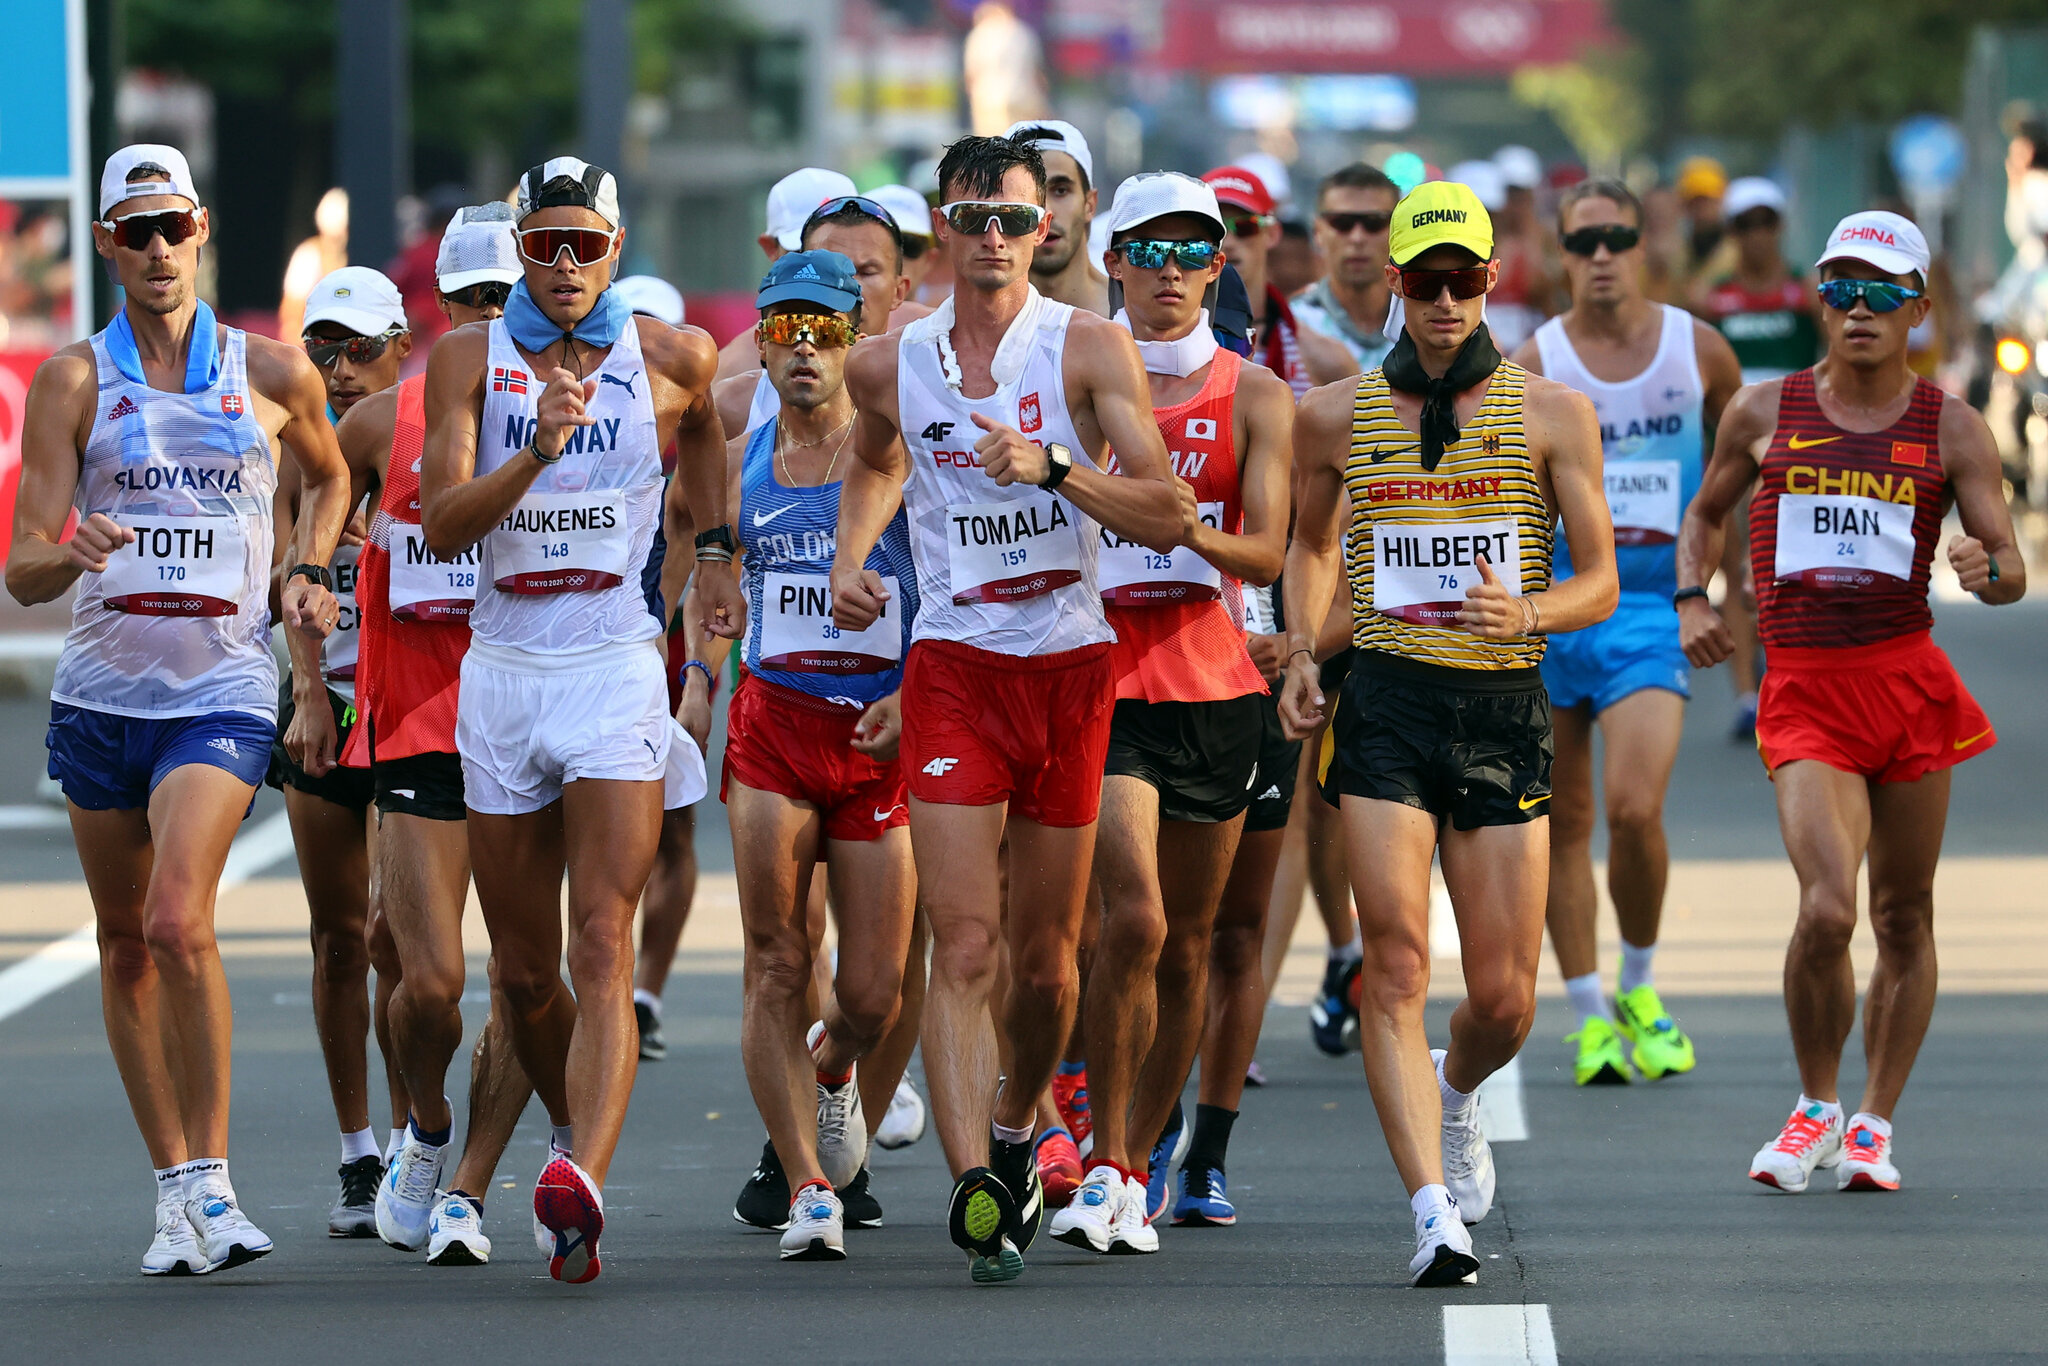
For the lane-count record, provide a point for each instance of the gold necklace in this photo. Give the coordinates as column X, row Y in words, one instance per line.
column 782, row 442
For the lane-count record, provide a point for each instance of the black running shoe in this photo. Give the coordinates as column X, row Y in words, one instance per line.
column 652, row 1047
column 1333, row 1014
column 764, row 1200
column 1017, row 1165
column 978, row 1220
column 355, row 1214
column 862, row 1209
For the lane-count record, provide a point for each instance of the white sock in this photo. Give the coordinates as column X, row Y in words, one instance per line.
column 1353, row 952
column 170, row 1182
column 1430, row 1200
column 1635, row 966
column 359, row 1145
column 1587, row 1002
column 393, row 1144
column 1454, row 1099
column 1829, row 1109
column 200, row 1169
column 1009, row 1135
column 1863, row 1119
column 563, row 1136
column 644, row 997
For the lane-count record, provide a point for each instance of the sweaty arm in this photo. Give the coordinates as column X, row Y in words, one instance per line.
column 873, row 487
column 1322, row 437
column 1746, row 425
column 1139, row 502
column 458, row 509
column 1969, row 457
column 1571, row 450
column 696, row 496
column 287, row 378
column 1264, row 416
column 40, row 565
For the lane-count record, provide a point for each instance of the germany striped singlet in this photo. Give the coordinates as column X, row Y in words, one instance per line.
column 1416, row 535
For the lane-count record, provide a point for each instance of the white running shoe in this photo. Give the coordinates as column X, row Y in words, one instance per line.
column 1443, row 1251
column 455, row 1233
column 175, row 1250
column 842, row 1128
column 1811, row 1138
column 1091, row 1216
column 817, row 1226
column 1467, row 1157
column 405, row 1199
column 903, row 1125
column 1133, row 1233
column 223, row 1231
column 1866, row 1158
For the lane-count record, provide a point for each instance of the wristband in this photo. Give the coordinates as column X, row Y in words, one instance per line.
column 1992, row 561
column 317, row 573
column 710, row 678
column 1310, row 653
column 1684, row 595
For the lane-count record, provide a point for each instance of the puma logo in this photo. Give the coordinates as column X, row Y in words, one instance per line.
column 626, row 383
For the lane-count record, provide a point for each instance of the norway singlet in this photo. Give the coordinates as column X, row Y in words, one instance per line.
column 1843, row 525
column 1008, row 569
column 178, row 624
column 1179, row 620
column 562, row 573
column 788, row 536
column 1416, row 535
column 1650, row 444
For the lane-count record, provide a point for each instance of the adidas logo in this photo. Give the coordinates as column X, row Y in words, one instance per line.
column 225, row 746
column 1271, row 794
column 125, row 408
column 809, row 272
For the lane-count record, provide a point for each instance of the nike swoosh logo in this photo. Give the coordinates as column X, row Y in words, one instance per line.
column 1793, row 442
column 884, row 815
column 1378, row 455
column 1526, row 802
column 760, row 520
column 1965, row 744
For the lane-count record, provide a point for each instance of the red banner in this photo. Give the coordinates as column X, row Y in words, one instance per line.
column 17, row 368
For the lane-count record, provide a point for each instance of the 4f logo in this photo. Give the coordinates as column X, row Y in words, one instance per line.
column 939, row 768
column 937, row 431
column 1028, row 419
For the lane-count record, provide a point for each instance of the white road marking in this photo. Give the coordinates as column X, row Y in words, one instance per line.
column 30, row 816
column 1498, row 1335
column 57, row 965
column 1501, row 1115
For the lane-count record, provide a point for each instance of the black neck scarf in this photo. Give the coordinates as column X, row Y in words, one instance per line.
column 1475, row 361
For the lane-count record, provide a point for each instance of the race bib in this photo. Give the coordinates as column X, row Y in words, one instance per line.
column 424, row 588
column 1837, row 541
column 1420, row 570
column 1642, row 498
column 1133, row 575
column 1259, row 617
column 797, row 634
column 178, row 567
column 1006, row 552
column 339, row 652
column 562, row 543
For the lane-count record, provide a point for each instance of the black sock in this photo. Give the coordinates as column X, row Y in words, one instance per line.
column 1212, row 1137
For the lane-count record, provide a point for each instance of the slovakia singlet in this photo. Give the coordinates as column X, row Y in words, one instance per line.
column 1008, row 569
column 1179, row 620
column 1843, row 525
column 562, row 573
column 1416, row 534
column 178, row 624
column 788, row 536
column 1651, row 440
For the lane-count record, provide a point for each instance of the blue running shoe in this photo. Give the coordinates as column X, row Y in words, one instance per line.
column 1171, row 1148
column 1202, row 1200
column 1333, row 1015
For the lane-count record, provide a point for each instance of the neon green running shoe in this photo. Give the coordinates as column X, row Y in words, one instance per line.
column 1600, row 1061
column 1661, row 1047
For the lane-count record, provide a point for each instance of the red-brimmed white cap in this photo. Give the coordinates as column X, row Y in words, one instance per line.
column 1236, row 185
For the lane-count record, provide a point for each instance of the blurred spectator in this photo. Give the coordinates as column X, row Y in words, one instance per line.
column 1354, row 209
column 1664, row 248
column 1526, row 246
column 1002, row 70
column 412, row 270
column 1510, row 315
column 2026, row 174
column 1701, row 183
column 1294, row 263
column 313, row 260
column 1763, row 306
column 35, row 275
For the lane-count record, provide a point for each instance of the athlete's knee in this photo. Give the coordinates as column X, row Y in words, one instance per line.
column 1183, row 958
column 527, row 984
column 964, row 950
column 1827, row 919
column 1236, row 949
column 778, row 967
column 1902, row 922
column 1504, row 1005
column 341, row 954
column 1634, row 816
column 1133, row 931
column 601, row 953
column 434, row 989
column 126, row 958
column 868, row 1007
column 1396, row 972
column 178, row 936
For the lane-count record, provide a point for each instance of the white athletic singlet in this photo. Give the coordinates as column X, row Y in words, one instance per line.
column 1005, row 569
column 766, row 404
column 563, row 572
column 179, row 622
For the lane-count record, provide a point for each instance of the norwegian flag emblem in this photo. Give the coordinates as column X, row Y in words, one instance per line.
column 505, row 381
column 1028, row 419
column 125, row 408
column 231, row 404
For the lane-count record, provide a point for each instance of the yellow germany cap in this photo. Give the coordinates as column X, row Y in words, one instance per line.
column 1440, row 213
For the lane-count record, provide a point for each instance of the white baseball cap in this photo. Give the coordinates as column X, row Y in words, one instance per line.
column 1155, row 194
column 1485, row 180
column 1891, row 243
column 478, row 246
column 588, row 187
column 166, row 167
column 652, row 295
column 1519, row 166
column 912, row 213
column 1057, row 134
column 793, row 198
column 359, row 298
column 1752, row 192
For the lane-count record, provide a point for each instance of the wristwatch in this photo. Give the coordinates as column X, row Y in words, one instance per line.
column 716, row 539
column 315, row 572
column 1683, row 595
column 1059, row 463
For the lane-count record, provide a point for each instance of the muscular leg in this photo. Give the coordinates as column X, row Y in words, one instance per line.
column 1641, row 733
column 1123, row 1011
column 1237, row 987
column 384, row 958
column 1907, row 820
column 423, row 868
column 1825, row 816
column 955, row 848
column 334, row 866
column 1046, row 886
column 1496, row 876
column 1326, row 878
column 518, row 869
column 498, row 1092
column 884, row 1068
column 874, row 890
column 1290, row 877
column 665, row 908
column 1574, row 902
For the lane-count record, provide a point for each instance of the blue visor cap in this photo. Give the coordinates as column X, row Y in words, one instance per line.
column 818, row 277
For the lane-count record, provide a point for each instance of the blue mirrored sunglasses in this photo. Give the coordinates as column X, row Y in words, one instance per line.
column 1882, row 295
column 1151, row 254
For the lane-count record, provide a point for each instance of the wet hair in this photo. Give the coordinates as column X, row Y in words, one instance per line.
column 1598, row 189
column 976, row 166
column 854, row 216
column 1358, row 175
column 1037, row 133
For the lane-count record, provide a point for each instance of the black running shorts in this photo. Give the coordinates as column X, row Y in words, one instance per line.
column 427, row 785
column 1279, row 765
column 349, row 787
column 1203, row 757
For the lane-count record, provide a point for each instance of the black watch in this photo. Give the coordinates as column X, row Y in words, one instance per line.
column 1684, row 595
column 1059, row 463
column 316, row 572
column 720, row 536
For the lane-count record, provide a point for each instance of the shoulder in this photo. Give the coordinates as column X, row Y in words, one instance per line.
column 276, row 368
column 1529, row 355
column 873, row 361
column 370, row 422
column 1327, row 408
column 910, row 310
column 1259, row 390
column 1753, row 412
column 1093, row 334
column 685, row 354
column 1961, row 429
column 1709, row 340
column 1327, row 358
column 72, row 369
column 1552, row 398
column 736, row 451
column 467, row 345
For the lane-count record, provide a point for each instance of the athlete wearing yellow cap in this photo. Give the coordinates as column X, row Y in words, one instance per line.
column 1457, row 466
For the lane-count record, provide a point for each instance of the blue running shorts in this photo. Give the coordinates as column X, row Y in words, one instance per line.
column 1634, row 649
column 107, row 762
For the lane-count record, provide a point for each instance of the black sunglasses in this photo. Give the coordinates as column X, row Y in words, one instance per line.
column 860, row 203
column 482, row 294
column 1246, row 224
column 1344, row 224
column 1616, row 237
column 325, row 351
column 133, row 230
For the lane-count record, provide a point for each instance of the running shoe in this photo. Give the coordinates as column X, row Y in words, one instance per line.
column 1468, row 1158
column 1254, row 1075
column 1866, row 1158
column 1202, row 1201
column 1333, row 1014
column 224, row 1233
column 764, row 1200
column 569, row 1203
column 1743, row 731
column 175, row 1250
column 1166, row 1154
column 1661, row 1047
column 653, row 1048
column 1132, row 1234
column 1070, row 1098
column 1059, row 1166
column 1600, row 1061
column 842, row 1128
column 903, row 1122
column 862, row 1209
column 1016, row 1165
column 543, row 1236
column 1811, row 1138
column 405, row 1200
column 817, row 1226
column 978, row 1220
column 355, row 1214
column 455, row 1233
column 1443, row 1252
column 1088, row 1218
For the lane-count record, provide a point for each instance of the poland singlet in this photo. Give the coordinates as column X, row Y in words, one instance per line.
column 788, row 536
column 1650, row 444
column 1005, row 569
column 562, row 573
column 178, row 624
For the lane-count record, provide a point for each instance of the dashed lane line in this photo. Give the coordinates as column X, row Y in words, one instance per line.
column 1498, row 1335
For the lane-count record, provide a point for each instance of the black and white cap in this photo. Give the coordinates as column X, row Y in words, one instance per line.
column 478, row 247
column 573, row 182
column 165, row 168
